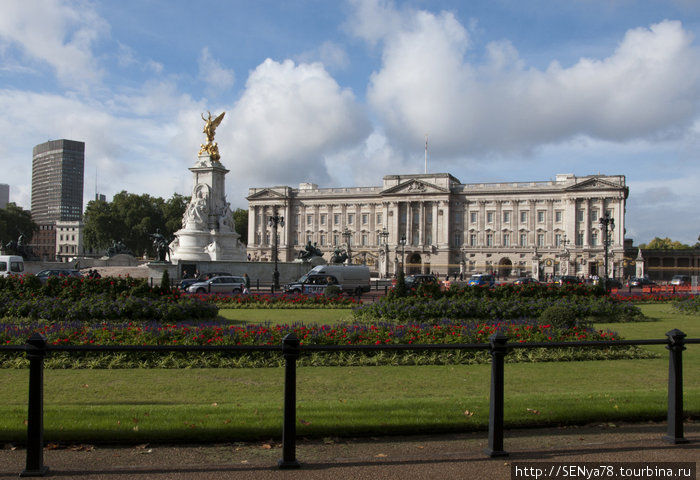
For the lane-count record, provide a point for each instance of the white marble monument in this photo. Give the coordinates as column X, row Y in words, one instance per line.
column 208, row 230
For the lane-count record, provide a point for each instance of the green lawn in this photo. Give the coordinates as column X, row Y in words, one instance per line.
column 245, row 404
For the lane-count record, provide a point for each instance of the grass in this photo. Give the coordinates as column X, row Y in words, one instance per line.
column 246, row 404
column 320, row 316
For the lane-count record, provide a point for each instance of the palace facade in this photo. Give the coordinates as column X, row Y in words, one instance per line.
column 435, row 223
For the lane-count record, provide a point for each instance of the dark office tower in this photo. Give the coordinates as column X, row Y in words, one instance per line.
column 57, row 190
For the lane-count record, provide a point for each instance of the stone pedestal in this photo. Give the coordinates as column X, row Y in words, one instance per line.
column 208, row 230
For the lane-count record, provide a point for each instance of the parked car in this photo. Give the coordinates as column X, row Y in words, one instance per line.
column 186, row 282
column 57, row 272
column 482, row 279
column 351, row 279
column 413, row 281
column 680, row 280
column 566, row 280
column 641, row 282
column 613, row 283
column 219, row 284
column 525, row 281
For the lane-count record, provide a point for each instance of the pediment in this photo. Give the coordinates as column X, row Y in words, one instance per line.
column 414, row 187
column 593, row 184
column 266, row 194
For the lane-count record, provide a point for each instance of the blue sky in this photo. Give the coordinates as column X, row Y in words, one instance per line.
column 341, row 93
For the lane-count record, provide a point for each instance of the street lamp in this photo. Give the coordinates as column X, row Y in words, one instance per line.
column 403, row 253
column 275, row 221
column 607, row 225
column 384, row 241
column 347, row 235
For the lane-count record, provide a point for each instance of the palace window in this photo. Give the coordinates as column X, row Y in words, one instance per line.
column 351, row 218
column 336, row 219
column 540, row 239
column 472, row 240
column 594, row 239
column 558, row 215
column 523, row 217
column 506, row 239
column 580, row 215
column 489, row 217
column 323, row 218
column 322, row 240
column 473, row 217
column 540, row 216
column 506, row 217
column 489, row 240
column 379, row 219
column 557, row 239
column 365, row 219
column 364, row 240
column 523, row 239
column 310, row 220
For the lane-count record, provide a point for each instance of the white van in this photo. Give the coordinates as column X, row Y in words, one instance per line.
column 353, row 279
column 11, row 265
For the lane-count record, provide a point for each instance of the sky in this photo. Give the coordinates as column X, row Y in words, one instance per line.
column 341, row 93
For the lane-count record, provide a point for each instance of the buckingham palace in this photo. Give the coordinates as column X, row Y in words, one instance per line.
column 433, row 223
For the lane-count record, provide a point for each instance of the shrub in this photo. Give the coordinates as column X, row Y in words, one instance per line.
column 561, row 316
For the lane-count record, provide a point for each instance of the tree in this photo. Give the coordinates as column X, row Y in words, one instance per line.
column 664, row 244
column 240, row 216
column 15, row 220
column 132, row 219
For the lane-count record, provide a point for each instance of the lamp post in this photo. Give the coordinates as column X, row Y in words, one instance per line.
column 347, row 235
column 403, row 253
column 275, row 221
column 607, row 225
column 384, row 242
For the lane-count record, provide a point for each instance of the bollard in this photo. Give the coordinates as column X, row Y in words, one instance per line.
column 36, row 351
column 498, row 353
column 291, row 352
column 676, row 345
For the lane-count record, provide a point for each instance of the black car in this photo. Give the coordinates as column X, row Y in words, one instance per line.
column 186, row 282
column 413, row 281
column 613, row 283
column 566, row 279
column 525, row 281
column 641, row 282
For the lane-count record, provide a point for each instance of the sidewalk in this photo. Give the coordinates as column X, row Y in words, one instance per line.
column 457, row 456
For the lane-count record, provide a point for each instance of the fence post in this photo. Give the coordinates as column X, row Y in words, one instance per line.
column 291, row 351
column 498, row 353
column 36, row 351
column 676, row 345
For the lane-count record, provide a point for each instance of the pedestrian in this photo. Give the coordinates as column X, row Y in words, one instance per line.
column 247, row 281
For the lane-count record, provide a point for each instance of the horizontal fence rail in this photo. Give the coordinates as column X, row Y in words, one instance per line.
column 37, row 349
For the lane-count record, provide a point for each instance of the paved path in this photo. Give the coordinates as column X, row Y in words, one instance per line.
column 458, row 456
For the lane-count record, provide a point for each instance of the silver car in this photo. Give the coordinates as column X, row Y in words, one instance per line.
column 221, row 284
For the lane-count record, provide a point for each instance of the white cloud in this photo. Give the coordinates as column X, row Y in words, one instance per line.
column 425, row 85
column 287, row 119
column 57, row 34
column 217, row 78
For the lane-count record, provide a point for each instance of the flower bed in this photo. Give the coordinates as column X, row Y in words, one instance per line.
column 216, row 333
column 425, row 309
column 104, row 307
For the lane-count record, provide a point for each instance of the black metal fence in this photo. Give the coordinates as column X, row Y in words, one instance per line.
column 37, row 349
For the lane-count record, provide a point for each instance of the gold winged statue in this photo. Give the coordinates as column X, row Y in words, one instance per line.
column 211, row 146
